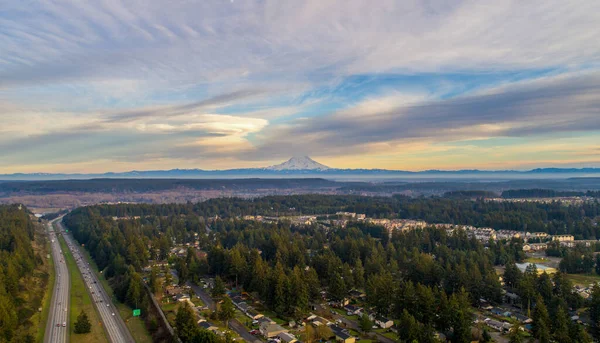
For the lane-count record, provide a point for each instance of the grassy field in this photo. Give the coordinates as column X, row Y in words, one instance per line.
column 135, row 325
column 536, row 260
column 584, row 279
column 80, row 300
column 43, row 316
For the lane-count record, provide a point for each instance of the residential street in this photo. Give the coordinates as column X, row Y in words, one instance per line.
column 234, row 324
column 354, row 325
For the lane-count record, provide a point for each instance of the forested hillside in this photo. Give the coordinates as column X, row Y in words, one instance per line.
column 17, row 262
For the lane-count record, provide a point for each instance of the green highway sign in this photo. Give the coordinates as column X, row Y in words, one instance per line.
column 137, row 312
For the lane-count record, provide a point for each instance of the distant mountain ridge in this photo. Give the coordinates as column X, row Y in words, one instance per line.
column 299, row 166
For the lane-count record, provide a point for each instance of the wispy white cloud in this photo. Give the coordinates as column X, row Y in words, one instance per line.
column 234, row 76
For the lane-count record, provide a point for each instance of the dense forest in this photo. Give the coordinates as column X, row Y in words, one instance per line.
column 288, row 266
column 17, row 261
column 426, row 279
column 546, row 193
column 554, row 218
column 147, row 185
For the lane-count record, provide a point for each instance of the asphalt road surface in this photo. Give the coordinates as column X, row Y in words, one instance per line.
column 111, row 320
column 234, row 324
column 57, row 326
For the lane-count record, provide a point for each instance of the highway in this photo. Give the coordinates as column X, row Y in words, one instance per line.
column 58, row 317
column 111, row 320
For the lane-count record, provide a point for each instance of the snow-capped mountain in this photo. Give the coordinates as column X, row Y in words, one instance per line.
column 299, row 163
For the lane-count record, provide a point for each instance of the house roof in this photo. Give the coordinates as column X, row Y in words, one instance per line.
column 382, row 319
column 270, row 327
column 286, row 337
column 206, row 325
column 339, row 332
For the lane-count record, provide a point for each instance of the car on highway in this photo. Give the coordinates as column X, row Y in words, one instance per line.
column 64, row 324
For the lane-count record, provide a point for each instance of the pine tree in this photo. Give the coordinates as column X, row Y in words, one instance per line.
column 227, row 311
column 541, row 321
column 337, row 287
column 561, row 327
column 365, row 323
column 185, row 322
column 219, row 288
column 594, row 308
column 82, row 325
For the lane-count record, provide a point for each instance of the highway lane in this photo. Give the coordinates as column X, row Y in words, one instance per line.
column 58, row 318
column 111, row 320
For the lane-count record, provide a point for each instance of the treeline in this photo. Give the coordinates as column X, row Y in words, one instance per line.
column 470, row 194
column 17, row 261
column 553, row 218
column 545, row 193
column 148, row 185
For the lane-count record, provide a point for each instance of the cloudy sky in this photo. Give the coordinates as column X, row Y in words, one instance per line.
column 111, row 85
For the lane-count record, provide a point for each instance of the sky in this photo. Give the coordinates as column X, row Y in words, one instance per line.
column 111, row 85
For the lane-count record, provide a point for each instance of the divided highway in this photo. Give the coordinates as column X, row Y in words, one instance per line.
column 58, row 318
column 111, row 320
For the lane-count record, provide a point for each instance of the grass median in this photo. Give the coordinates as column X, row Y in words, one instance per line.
column 80, row 300
column 135, row 325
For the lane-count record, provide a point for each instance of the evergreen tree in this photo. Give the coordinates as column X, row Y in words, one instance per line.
column 365, row 323
column 185, row 323
column 541, row 321
column 594, row 310
column 337, row 287
column 560, row 329
column 82, row 325
column 226, row 311
column 219, row 288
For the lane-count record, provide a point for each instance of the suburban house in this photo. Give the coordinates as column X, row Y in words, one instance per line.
column 383, row 322
column 342, row 335
column 173, row 290
column 355, row 310
column 523, row 319
column 242, row 306
column 253, row 314
column 354, row 294
column 512, row 298
column 318, row 321
column 206, row 325
column 287, row 337
column 500, row 326
column 263, row 319
column 269, row 330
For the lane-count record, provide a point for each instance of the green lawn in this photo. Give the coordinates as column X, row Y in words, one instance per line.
column 273, row 316
column 80, row 300
column 135, row 325
column 345, row 314
column 536, row 260
column 584, row 279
